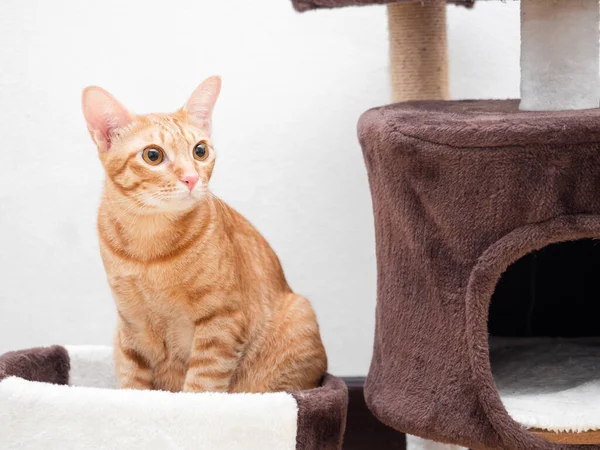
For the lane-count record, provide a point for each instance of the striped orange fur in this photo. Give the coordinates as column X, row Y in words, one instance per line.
column 202, row 301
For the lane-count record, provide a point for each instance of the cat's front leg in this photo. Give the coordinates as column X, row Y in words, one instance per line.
column 131, row 369
column 216, row 351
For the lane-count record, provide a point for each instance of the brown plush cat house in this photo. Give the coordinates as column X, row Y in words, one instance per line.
column 487, row 219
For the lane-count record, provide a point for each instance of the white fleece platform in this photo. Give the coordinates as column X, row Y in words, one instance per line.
column 81, row 417
column 417, row 443
column 552, row 384
column 91, row 366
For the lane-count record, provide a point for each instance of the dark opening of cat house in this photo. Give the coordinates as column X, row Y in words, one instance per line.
column 554, row 292
column 544, row 326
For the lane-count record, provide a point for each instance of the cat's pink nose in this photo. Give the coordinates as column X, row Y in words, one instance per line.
column 190, row 180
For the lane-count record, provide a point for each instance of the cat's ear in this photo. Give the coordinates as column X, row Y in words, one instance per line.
column 104, row 116
column 199, row 107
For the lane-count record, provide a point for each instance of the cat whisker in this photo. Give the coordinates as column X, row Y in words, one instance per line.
column 134, row 197
column 141, row 206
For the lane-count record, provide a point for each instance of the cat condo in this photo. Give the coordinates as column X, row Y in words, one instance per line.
column 487, row 220
column 66, row 398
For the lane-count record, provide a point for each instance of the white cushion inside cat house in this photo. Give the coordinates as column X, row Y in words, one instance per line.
column 549, row 383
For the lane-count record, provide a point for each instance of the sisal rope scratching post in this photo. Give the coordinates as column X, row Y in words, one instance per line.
column 418, row 51
column 559, row 55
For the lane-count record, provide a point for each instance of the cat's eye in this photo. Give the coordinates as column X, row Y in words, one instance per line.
column 153, row 155
column 201, row 151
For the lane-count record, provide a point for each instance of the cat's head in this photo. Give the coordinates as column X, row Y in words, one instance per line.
column 158, row 161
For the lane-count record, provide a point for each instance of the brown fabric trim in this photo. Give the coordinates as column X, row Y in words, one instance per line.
column 305, row 5
column 484, row 124
column 484, row 278
column 43, row 364
column 322, row 415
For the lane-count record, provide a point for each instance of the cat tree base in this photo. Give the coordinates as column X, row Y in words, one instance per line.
column 481, row 211
column 65, row 398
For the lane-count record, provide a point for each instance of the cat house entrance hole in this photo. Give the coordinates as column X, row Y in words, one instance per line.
column 552, row 292
column 545, row 340
column 534, row 351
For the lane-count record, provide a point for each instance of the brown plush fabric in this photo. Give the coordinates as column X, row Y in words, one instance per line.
column 305, row 5
column 48, row 365
column 322, row 415
column 460, row 191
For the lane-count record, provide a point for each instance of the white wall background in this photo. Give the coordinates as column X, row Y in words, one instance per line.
column 285, row 129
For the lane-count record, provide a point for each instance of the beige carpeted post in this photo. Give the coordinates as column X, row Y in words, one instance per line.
column 418, row 50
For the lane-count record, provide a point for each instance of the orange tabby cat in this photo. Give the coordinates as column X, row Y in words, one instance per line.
column 202, row 301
